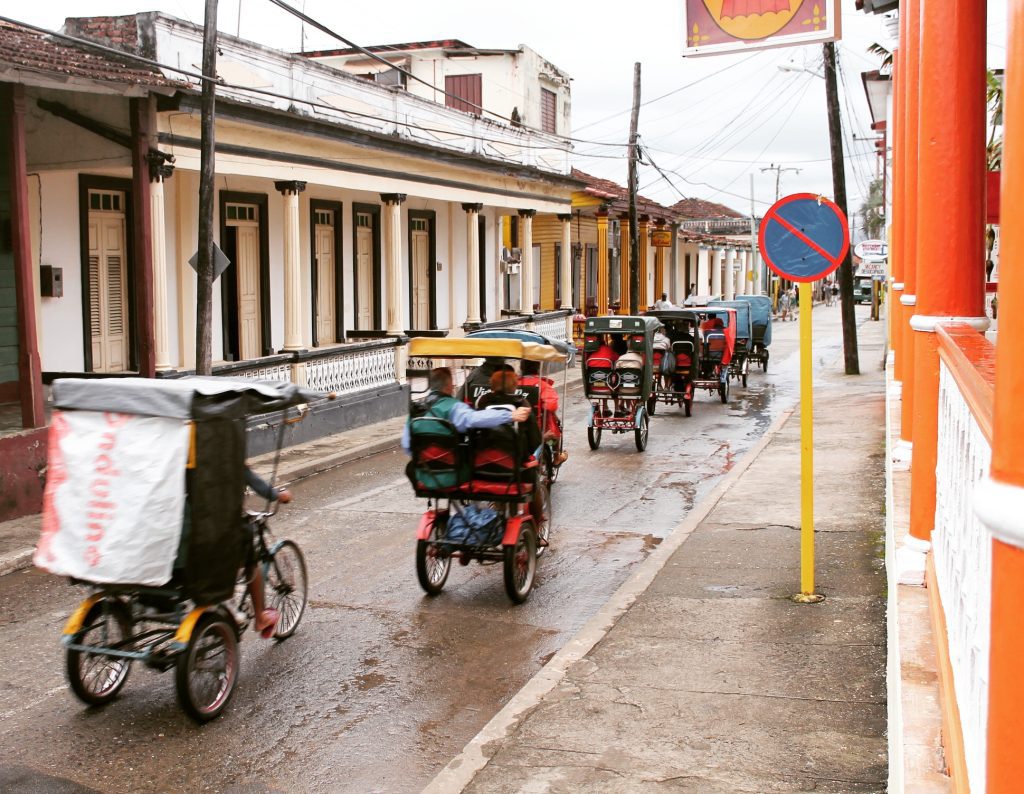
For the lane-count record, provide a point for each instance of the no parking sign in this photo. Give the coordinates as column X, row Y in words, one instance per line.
column 804, row 237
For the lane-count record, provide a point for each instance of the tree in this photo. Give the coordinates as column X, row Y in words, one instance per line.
column 873, row 210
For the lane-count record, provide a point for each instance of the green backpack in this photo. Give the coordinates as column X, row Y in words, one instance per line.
column 439, row 456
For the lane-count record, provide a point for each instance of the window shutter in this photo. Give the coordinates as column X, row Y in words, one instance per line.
column 465, row 92
column 548, row 111
column 115, row 295
column 94, row 295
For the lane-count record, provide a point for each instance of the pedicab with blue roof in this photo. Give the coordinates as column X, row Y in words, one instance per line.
column 761, row 328
column 717, row 331
column 738, row 366
column 673, row 382
column 486, row 501
column 144, row 506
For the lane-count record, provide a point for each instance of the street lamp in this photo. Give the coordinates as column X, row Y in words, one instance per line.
column 835, row 136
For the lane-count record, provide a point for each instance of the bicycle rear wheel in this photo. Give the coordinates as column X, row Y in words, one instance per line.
column 208, row 668
column 95, row 678
column 287, row 586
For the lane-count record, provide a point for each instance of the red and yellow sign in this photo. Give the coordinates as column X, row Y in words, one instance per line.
column 715, row 26
column 661, row 238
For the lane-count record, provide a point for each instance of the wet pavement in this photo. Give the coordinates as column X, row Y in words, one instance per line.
column 380, row 686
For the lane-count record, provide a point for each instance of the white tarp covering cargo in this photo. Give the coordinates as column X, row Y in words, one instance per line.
column 114, row 497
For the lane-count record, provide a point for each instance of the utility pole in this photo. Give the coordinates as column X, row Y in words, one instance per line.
column 204, row 264
column 778, row 169
column 755, row 259
column 634, row 232
column 835, row 135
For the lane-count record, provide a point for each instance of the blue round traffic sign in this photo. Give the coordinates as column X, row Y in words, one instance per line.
column 804, row 237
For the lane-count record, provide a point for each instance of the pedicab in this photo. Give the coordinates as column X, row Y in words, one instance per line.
column 717, row 331
column 618, row 383
column 761, row 325
column 144, row 506
column 738, row 366
column 485, row 499
column 551, row 422
column 675, row 385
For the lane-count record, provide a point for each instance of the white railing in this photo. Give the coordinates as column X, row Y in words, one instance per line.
column 962, row 551
column 553, row 327
column 265, row 371
column 344, row 371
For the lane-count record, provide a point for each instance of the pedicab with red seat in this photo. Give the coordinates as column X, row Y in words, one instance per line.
column 619, row 385
column 485, row 499
column 674, row 384
column 717, row 331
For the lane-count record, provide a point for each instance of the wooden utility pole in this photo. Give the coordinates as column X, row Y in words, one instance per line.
column 204, row 265
column 634, row 233
column 835, row 134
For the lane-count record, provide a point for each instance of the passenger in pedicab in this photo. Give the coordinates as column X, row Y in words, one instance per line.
column 504, row 384
column 547, row 406
column 663, row 355
column 441, row 404
column 604, row 350
column 478, row 382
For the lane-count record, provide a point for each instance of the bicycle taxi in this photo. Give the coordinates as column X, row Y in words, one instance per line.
column 761, row 328
column 739, row 364
column 487, row 499
column 144, row 506
column 618, row 376
column 717, row 331
column 674, row 382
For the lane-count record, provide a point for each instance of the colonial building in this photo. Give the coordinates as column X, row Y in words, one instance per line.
column 351, row 213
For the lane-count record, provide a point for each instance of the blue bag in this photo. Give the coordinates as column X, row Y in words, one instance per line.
column 475, row 526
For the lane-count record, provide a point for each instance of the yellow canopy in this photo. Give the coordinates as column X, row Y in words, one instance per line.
column 465, row 347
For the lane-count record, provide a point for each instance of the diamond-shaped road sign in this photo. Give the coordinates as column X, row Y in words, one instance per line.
column 220, row 261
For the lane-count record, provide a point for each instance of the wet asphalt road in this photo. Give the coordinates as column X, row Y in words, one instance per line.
column 380, row 686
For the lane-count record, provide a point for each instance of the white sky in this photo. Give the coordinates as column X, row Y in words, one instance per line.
column 713, row 135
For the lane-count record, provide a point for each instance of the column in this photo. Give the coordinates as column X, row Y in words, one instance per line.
column 565, row 276
column 30, row 376
column 290, row 190
column 911, row 191
column 472, row 262
column 716, row 270
column 526, row 270
column 745, row 273
column 625, row 263
column 1002, row 503
column 141, row 114
column 158, row 172
column 394, row 316
column 896, row 225
column 602, row 262
column 703, row 279
column 676, row 295
column 500, row 278
column 659, row 264
column 729, row 279
column 643, row 299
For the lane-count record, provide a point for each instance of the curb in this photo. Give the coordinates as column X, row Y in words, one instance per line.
column 16, row 561
column 461, row 770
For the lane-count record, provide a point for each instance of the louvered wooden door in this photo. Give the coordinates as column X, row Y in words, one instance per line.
column 420, row 274
column 325, row 286
column 248, row 254
column 108, row 292
column 364, row 273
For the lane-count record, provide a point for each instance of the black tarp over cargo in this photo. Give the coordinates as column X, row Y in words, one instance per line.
column 213, row 544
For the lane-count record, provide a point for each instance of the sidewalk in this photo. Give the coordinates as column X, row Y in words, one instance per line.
column 700, row 674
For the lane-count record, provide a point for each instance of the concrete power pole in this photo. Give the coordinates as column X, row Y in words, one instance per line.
column 835, row 134
column 634, row 232
column 204, row 265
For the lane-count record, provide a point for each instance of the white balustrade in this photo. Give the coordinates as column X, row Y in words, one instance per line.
column 348, row 371
column 552, row 328
column 263, row 372
column 963, row 565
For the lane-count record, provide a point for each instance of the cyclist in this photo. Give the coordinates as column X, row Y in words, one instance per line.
column 265, row 621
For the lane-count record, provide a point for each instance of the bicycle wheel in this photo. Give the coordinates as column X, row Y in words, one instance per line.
column 594, row 437
column 542, row 505
column 207, row 670
column 95, row 678
column 432, row 561
column 521, row 563
column 641, row 433
column 287, row 584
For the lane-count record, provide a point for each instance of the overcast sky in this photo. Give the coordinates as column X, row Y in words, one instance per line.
column 743, row 114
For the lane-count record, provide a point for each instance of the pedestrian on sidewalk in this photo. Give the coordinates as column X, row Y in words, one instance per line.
column 784, row 304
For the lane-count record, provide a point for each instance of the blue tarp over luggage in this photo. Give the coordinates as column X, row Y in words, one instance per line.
column 760, row 315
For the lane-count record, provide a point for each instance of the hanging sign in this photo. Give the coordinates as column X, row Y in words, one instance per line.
column 717, row 26
column 661, row 238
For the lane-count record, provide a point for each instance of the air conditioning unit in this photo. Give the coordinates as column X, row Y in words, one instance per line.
column 512, row 267
column 511, row 255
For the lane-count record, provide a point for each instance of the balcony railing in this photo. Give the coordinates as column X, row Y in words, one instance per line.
column 962, row 546
column 352, row 367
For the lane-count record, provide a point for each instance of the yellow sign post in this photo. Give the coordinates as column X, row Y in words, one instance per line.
column 803, row 238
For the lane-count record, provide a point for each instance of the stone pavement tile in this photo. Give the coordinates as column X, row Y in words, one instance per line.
column 692, row 741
